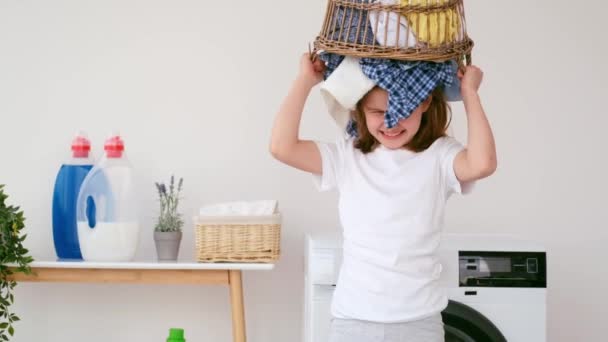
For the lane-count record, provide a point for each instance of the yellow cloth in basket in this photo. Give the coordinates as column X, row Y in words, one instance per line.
column 434, row 28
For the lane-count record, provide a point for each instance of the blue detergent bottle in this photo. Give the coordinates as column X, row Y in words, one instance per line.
column 65, row 196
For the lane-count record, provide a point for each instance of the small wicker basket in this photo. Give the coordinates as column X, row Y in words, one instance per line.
column 421, row 30
column 238, row 238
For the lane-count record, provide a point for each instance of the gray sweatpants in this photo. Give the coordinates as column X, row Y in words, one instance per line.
column 350, row 330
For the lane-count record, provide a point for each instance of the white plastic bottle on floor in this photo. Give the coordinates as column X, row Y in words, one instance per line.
column 108, row 225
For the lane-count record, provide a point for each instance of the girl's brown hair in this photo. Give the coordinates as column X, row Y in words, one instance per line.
column 433, row 125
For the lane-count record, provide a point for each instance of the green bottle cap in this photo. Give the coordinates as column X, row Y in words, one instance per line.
column 176, row 335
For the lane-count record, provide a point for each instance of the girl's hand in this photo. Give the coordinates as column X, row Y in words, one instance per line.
column 311, row 72
column 470, row 79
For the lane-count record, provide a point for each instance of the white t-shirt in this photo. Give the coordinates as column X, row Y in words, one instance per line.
column 391, row 206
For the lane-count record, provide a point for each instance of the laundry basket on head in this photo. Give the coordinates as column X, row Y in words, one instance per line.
column 421, row 30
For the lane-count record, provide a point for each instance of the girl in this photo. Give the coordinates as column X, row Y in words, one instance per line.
column 393, row 184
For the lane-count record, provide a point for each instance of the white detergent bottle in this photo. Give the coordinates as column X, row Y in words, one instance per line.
column 108, row 225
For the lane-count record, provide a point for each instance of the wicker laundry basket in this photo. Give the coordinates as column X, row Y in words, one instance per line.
column 426, row 30
column 238, row 238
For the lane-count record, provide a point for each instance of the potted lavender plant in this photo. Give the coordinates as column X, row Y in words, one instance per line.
column 168, row 229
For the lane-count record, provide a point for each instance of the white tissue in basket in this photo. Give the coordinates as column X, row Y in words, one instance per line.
column 238, row 208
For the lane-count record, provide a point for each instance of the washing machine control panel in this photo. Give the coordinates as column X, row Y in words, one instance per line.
column 502, row 269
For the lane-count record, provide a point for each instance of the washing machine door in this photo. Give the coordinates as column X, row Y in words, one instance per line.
column 465, row 324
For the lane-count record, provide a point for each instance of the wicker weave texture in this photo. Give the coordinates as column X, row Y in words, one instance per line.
column 431, row 30
column 238, row 241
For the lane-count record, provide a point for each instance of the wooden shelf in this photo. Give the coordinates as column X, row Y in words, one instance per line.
column 135, row 272
column 152, row 273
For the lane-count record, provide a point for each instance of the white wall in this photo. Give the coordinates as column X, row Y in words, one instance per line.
column 194, row 85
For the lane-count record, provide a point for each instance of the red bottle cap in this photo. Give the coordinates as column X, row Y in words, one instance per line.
column 114, row 147
column 81, row 146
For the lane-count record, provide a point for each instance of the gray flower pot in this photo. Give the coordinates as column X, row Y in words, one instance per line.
column 167, row 245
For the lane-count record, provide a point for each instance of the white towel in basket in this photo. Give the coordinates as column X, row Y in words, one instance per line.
column 389, row 24
column 240, row 208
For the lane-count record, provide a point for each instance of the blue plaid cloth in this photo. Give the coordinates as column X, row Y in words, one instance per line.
column 353, row 20
column 408, row 83
column 407, row 86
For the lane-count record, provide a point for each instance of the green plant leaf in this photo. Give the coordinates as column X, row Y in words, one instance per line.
column 12, row 222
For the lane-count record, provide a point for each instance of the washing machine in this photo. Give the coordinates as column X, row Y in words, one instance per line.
column 496, row 286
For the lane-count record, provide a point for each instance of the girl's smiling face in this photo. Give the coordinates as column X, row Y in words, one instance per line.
column 374, row 107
